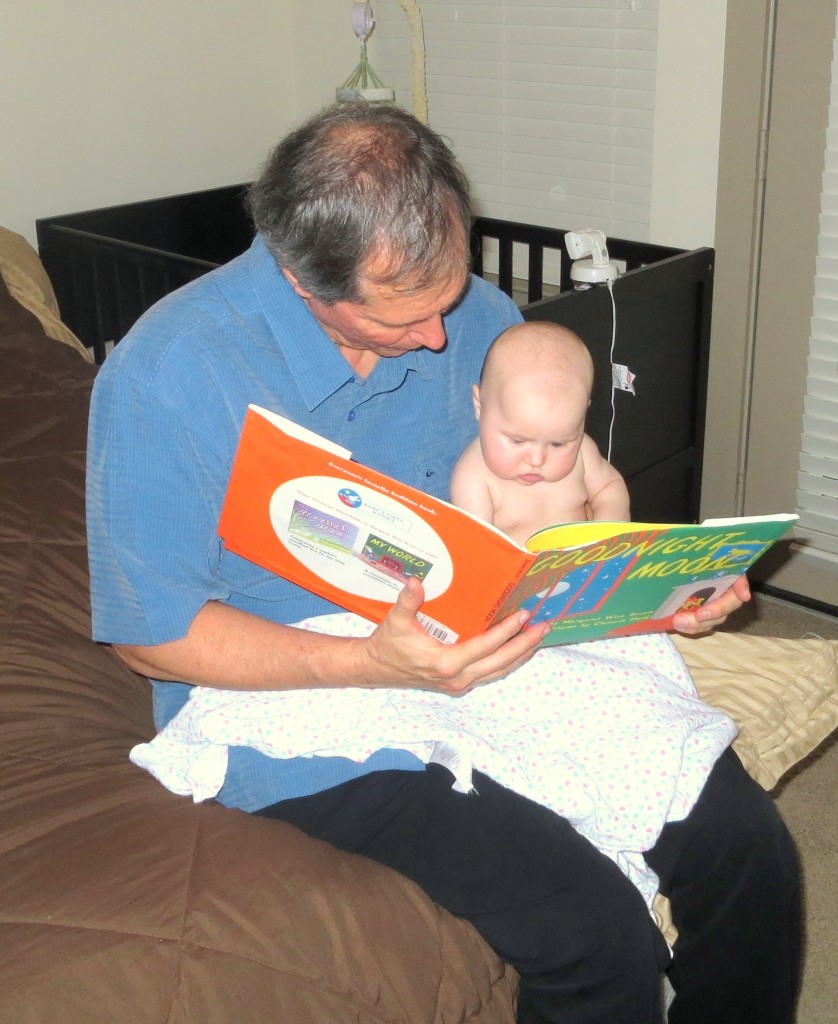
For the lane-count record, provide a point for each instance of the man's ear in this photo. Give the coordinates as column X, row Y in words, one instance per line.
column 475, row 398
column 295, row 284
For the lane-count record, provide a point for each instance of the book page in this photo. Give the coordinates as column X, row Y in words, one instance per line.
column 301, row 433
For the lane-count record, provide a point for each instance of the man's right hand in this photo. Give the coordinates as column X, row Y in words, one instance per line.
column 232, row 649
column 402, row 654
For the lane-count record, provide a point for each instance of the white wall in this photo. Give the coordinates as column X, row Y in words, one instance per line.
column 325, row 50
column 105, row 102
column 688, row 99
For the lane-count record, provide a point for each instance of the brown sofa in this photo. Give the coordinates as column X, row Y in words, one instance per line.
column 122, row 902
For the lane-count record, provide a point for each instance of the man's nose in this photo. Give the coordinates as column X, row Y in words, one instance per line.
column 430, row 334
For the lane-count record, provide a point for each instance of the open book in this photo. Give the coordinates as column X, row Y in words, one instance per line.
column 297, row 505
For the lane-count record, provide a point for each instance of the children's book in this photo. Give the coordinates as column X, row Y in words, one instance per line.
column 298, row 505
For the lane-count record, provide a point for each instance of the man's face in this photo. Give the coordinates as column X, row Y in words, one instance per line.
column 388, row 322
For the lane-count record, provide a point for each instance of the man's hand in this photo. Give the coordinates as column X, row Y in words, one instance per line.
column 402, row 654
column 714, row 613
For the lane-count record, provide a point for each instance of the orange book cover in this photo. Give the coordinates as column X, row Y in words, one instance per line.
column 299, row 506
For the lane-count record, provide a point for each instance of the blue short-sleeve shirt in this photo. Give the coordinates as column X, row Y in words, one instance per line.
column 167, row 408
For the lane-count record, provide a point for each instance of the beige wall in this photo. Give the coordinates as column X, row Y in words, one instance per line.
column 787, row 267
column 691, row 45
column 104, row 102
column 738, row 221
column 108, row 102
column 771, row 161
column 794, row 170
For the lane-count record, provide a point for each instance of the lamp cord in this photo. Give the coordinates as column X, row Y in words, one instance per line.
column 610, row 285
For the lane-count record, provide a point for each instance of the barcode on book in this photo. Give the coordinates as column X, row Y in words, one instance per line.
column 437, row 630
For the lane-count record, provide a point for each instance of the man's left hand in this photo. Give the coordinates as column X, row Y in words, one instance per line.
column 714, row 613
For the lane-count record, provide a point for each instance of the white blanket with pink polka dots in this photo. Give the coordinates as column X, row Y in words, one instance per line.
column 610, row 735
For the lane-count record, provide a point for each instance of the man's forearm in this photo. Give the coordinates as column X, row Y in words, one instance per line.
column 231, row 649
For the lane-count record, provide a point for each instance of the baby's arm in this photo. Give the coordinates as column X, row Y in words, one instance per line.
column 608, row 495
column 469, row 486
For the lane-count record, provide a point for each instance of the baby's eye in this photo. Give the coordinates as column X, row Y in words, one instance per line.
column 557, row 444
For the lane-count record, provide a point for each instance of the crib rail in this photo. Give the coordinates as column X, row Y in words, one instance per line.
column 108, row 266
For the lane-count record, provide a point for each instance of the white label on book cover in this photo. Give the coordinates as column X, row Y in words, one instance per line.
column 357, row 539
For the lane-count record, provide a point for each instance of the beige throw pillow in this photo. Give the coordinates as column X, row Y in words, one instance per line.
column 28, row 284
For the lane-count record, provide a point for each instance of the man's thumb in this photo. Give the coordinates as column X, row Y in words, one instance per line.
column 411, row 597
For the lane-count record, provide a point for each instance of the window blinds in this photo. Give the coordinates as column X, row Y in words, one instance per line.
column 817, row 494
column 548, row 105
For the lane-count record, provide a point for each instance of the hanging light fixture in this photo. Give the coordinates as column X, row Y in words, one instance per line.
column 365, row 84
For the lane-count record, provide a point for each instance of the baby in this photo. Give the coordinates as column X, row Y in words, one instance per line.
column 611, row 734
column 533, row 465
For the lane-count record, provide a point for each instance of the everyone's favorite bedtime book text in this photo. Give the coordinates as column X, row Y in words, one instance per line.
column 298, row 506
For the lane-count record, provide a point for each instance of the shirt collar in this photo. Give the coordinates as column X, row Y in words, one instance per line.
column 315, row 364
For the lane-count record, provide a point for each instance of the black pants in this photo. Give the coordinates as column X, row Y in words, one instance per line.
column 566, row 917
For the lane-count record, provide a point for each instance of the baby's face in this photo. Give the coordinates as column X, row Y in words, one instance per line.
column 530, row 435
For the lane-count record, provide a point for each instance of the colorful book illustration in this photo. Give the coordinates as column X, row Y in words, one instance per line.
column 298, row 505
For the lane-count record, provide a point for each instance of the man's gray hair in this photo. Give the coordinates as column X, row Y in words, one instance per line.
column 359, row 185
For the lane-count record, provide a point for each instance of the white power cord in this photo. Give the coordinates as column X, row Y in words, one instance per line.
column 610, row 285
column 592, row 267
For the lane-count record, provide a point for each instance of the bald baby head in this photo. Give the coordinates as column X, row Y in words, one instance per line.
column 536, row 356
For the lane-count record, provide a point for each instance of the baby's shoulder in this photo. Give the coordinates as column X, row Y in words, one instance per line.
column 589, row 451
column 471, row 458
